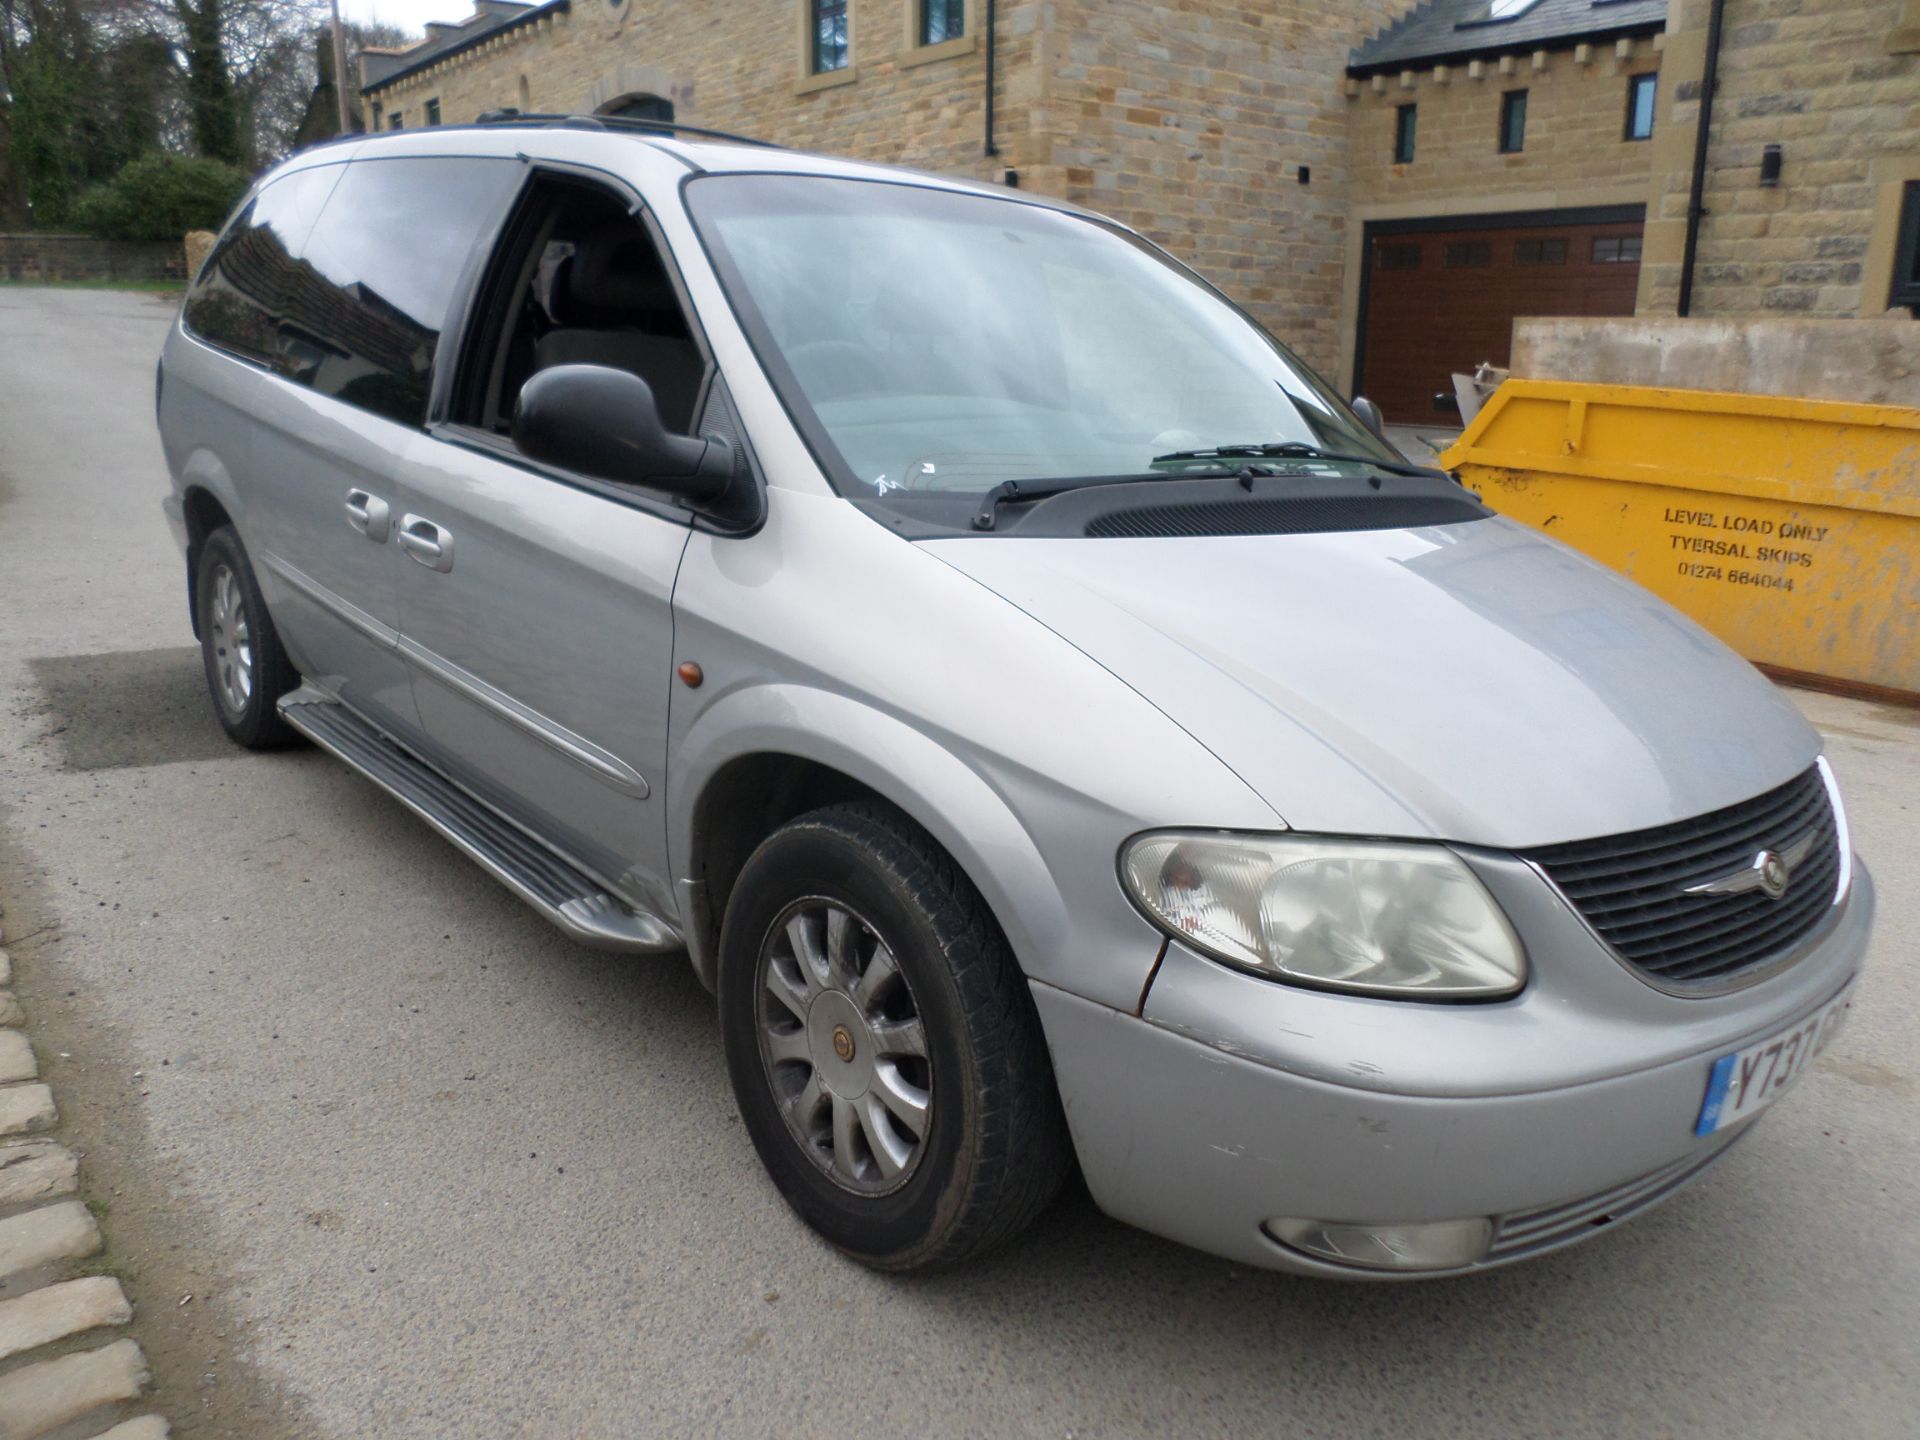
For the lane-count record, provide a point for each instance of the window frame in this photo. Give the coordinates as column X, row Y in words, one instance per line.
column 915, row 49
column 1650, row 80
column 229, row 235
column 430, row 109
column 811, row 14
column 486, row 293
column 1406, row 128
column 1905, row 289
column 1512, row 103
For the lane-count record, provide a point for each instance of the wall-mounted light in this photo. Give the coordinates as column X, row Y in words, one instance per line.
column 1770, row 166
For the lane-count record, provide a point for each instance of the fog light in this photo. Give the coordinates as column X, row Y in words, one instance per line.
column 1436, row 1245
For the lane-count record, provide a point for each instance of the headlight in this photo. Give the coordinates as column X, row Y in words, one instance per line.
column 1381, row 918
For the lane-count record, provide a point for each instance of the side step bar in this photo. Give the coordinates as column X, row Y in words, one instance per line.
column 575, row 904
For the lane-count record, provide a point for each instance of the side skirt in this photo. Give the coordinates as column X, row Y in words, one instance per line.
column 571, row 901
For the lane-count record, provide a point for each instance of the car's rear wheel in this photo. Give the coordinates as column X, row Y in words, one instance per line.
column 247, row 670
column 883, row 1049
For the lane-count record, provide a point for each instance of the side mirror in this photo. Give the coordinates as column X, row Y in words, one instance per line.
column 603, row 422
column 1370, row 416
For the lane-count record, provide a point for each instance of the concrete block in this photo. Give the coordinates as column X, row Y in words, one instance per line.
column 25, row 1108
column 43, row 1397
column 16, row 1055
column 6, row 968
column 10, row 1011
column 42, row 1316
column 63, row 1231
column 36, row 1170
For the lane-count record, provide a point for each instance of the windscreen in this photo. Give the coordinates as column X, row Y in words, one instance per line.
column 930, row 340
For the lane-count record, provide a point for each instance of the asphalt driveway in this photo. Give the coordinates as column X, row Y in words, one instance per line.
column 426, row 1170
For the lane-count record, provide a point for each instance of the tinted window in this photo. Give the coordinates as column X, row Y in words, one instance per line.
column 829, row 35
column 252, row 283
column 1513, row 122
column 1906, row 259
column 1405, row 119
column 381, row 268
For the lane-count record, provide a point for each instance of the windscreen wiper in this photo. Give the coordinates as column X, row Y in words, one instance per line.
column 1039, row 489
column 1288, row 450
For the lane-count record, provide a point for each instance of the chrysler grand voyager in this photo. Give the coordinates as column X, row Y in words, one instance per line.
column 1057, row 727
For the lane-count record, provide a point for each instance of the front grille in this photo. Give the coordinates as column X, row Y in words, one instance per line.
column 1527, row 1232
column 1306, row 515
column 1630, row 888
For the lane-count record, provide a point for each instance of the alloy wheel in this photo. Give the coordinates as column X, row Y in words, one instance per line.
column 843, row 1046
column 232, row 639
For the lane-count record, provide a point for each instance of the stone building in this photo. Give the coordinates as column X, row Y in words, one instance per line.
column 1385, row 187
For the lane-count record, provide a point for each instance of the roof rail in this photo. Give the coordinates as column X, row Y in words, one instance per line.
column 510, row 116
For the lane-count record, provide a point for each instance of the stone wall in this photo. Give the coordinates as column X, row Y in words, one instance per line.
column 33, row 255
column 1576, row 123
column 1836, row 84
column 741, row 65
column 1875, row 363
column 1193, row 122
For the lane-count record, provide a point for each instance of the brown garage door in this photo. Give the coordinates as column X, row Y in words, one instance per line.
column 1440, row 301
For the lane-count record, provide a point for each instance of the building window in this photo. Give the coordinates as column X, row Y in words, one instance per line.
column 1640, row 93
column 829, row 33
column 1399, row 257
column 433, row 112
column 1906, row 252
column 1540, row 252
column 1513, row 122
column 1616, row 249
column 1466, row 254
column 642, row 107
column 393, row 120
column 942, row 20
column 1405, row 118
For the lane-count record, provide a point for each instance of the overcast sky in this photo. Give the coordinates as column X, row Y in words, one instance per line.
column 413, row 14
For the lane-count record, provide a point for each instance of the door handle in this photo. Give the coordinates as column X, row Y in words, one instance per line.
column 368, row 514
column 430, row 544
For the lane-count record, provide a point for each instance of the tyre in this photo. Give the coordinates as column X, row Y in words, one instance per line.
column 247, row 670
column 882, row 1045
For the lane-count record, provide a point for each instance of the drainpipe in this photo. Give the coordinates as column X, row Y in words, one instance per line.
column 987, row 147
column 1696, row 211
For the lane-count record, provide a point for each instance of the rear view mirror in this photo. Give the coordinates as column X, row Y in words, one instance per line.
column 1370, row 416
column 603, row 422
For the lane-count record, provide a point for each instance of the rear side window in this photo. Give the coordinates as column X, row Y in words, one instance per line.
column 341, row 277
column 385, row 258
column 251, row 284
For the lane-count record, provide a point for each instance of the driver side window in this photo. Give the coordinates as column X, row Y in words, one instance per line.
column 579, row 281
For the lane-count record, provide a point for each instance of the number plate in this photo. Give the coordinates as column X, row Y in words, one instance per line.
column 1746, row 1082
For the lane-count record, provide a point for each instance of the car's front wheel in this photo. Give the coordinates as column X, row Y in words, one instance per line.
column 883, row 1049
column 247, row 670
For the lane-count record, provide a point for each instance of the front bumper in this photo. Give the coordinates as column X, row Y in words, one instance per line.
column 1198, row 1132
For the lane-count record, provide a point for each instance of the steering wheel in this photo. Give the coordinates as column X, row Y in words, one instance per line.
column 836, row 369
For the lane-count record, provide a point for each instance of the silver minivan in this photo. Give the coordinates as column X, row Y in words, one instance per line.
column 1058, row 728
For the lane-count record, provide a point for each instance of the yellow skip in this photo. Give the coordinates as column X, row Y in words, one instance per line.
column 1789, row 528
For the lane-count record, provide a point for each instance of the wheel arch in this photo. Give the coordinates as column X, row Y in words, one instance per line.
column 204, row 511
column 760, row 757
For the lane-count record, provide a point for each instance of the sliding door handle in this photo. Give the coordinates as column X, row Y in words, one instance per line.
column 430, row 544
column 368, row 514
